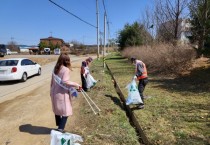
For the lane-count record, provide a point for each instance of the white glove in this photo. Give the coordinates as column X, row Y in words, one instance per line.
column 134, row 77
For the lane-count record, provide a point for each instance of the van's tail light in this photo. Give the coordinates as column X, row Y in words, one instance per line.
column 14, row 69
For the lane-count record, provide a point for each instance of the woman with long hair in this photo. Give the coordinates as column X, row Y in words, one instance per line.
column 61, row 99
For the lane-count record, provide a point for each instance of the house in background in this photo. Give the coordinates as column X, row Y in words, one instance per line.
column 185, row 31
column 166, row 31
column 65, row 47
column 52, row 40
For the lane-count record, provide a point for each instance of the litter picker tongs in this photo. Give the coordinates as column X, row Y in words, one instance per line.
column 91, row 103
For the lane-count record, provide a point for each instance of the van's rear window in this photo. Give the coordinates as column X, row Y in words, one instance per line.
column 8, row 62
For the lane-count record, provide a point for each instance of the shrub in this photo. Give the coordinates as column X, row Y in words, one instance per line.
column 163, row 58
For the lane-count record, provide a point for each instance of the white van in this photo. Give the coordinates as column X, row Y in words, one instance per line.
column 57, row 51
column 9, row 52
column 47, row 51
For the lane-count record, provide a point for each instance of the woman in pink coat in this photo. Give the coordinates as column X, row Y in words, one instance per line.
column 61, row 100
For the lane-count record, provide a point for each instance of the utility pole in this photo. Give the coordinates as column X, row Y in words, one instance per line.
column 104, row 38
column 101, row 41
column 108, row 37
column 83, row 40
column 12, row 39
column 97, row 15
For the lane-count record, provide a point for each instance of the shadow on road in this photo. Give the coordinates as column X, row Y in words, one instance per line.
column 34, row 129
column 7, row 83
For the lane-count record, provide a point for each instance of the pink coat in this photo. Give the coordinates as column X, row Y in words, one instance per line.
column 61, row 101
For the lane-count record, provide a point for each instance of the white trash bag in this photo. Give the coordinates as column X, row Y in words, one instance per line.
column 133, row 94
column 58, row 138
column 90, row 81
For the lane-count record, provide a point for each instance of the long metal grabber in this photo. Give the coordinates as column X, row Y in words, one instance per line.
column 92, row 101
column 86, row 98
column 88, row 102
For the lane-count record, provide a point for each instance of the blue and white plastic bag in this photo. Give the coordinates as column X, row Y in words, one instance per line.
column 90, row 81
column 58, row 138
column 133, row 94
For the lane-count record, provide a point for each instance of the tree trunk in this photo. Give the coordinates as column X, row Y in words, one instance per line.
column 177, row 21
column 201, row 40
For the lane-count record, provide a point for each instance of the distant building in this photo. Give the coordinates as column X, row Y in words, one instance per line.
column 52, row 40
column 185, row 31
column 33, row 50
column 166, row 31
column 56, row 41
column 26, row 48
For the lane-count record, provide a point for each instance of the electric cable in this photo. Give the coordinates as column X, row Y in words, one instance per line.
column 72, row 14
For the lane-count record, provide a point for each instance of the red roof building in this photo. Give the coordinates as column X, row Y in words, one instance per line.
column 53, row 41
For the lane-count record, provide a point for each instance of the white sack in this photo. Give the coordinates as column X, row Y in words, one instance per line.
column 133, row 94
column 58, row 138
column 90, row 81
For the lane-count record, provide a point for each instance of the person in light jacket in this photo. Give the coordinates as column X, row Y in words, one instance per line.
column 61, row 100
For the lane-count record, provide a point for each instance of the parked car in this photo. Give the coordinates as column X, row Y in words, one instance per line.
column 57, row 51
column 47, row 51
column 9, row 52
column 3, row 50
column 18, row 69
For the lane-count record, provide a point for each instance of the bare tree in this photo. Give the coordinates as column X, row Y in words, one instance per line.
column 200, row 20
column 168, row 15
column 12, row 45
column 148, row 22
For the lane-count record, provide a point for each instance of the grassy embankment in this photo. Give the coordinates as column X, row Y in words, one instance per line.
column 111, row 126
column 177, row 109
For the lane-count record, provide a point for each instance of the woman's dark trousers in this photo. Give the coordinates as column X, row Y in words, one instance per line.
column 60, row 121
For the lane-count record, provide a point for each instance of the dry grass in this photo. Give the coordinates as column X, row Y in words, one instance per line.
column 163, row 58
column 40, row 59
column 112, row 126
column 44, row 61
column 177, row 110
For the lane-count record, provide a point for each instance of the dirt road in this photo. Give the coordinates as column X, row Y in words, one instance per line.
column 26, row 117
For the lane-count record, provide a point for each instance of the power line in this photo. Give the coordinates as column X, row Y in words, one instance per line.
column 104, row 7
column 107, row 18
column 72, row 14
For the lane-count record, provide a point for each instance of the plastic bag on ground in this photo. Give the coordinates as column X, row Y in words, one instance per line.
column 133, row 94
column 90, row 81
column 58, row 138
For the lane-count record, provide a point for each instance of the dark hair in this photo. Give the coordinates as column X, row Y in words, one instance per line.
column 64, row 60
column 84, row 64
column 133, row 59
column 90, row 58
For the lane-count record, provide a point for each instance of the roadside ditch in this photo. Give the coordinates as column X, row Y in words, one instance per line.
column 132, row 118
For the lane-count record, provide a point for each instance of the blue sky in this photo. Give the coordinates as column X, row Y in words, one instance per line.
column 26, row 21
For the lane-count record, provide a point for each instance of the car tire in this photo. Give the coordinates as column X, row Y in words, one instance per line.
column 24, row 77
column 39, row 72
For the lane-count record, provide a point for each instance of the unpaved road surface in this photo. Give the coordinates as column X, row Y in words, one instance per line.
column 26, row 116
